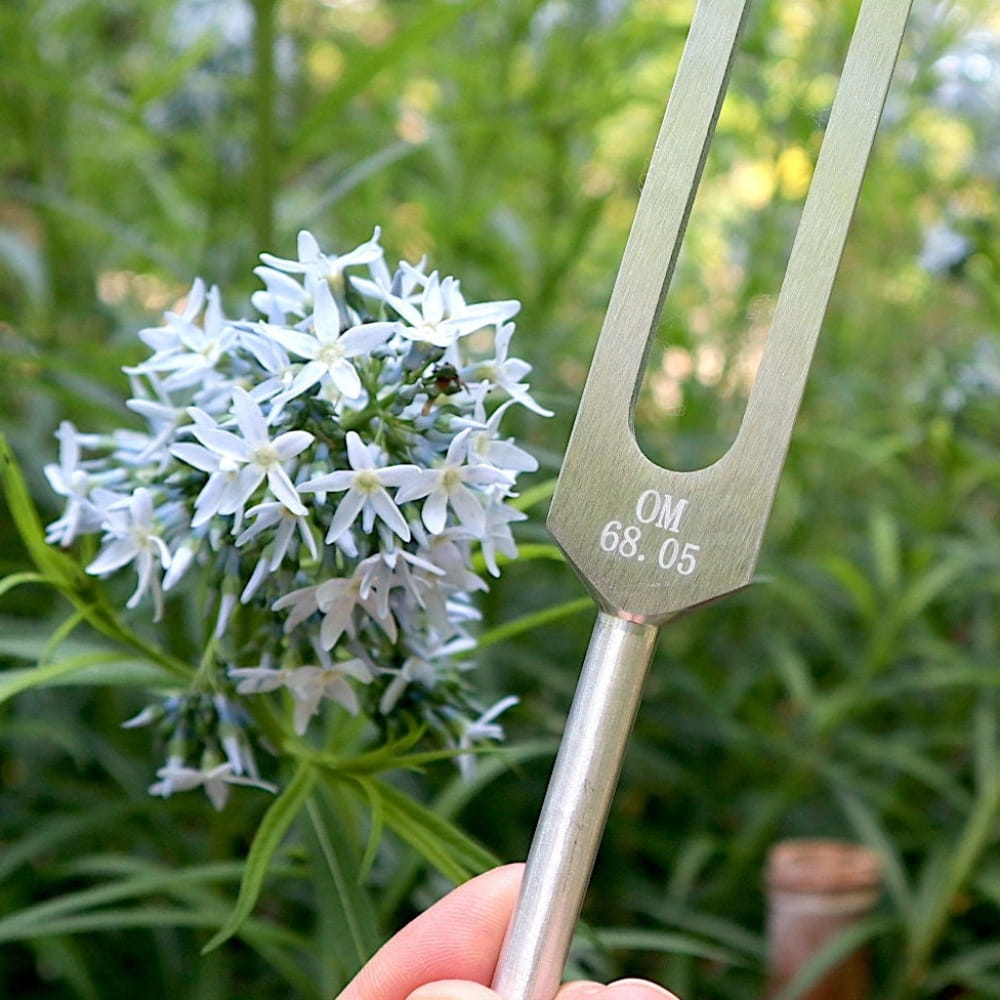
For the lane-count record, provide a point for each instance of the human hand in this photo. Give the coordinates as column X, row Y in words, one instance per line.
column 451, row 951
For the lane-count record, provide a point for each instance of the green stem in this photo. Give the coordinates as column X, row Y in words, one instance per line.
column 263, row 180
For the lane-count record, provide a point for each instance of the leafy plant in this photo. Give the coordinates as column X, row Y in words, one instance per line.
column 849, row 692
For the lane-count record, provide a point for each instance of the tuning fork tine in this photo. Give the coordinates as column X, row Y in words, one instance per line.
column 651, row 543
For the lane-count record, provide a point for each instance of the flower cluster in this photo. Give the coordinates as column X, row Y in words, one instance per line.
column 325, row 473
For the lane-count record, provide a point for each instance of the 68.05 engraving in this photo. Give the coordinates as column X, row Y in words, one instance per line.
column 672, row 553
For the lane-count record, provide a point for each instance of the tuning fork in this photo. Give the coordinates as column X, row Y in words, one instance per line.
column 651, row 543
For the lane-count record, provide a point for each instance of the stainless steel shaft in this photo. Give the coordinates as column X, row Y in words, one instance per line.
column 575, row 808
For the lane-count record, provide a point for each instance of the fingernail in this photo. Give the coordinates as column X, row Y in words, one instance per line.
column 638, row 989
column 453, row 989
column 580, row 990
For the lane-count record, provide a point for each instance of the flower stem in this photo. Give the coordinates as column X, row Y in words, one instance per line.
column 263, row 180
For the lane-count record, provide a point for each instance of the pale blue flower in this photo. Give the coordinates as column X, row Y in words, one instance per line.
column 505, row 373
column 307, row 472
column 366, row 483
column 327, row 351
column 239, row 463
column 322, row 266
column 309, row 685
column 186, row 351
column 132, row 536
column 177, row 776
column 286, row 523
column 448, row 486
column 444, row 316
column 479, row 730
column 486, row 447
column 71, row 479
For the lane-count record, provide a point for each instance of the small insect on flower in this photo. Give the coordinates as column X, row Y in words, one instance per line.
column 443, row 380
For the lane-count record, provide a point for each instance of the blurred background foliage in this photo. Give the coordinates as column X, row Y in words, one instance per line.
column 851, row 692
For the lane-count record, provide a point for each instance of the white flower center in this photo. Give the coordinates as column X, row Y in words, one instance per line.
column 330, row 353
column 265, row 455
column 366, row 481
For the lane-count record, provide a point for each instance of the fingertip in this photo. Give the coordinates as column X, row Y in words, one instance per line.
column 637, row 989
column 453, row 989
column 580, row 989
column 621, row 989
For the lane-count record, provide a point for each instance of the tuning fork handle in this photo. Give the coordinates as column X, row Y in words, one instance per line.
column 575, row 808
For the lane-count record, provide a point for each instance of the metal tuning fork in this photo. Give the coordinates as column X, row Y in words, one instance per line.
column 649, row 542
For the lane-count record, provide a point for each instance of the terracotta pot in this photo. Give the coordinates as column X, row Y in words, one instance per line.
column 816, row 889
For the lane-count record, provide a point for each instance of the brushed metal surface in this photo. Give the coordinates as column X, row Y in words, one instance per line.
column 651, row 542
column 724, row 507
column 575, row 808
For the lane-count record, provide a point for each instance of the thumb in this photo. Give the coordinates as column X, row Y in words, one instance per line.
column 453, row 989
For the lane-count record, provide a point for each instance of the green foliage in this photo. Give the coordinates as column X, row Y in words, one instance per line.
column 851, row 692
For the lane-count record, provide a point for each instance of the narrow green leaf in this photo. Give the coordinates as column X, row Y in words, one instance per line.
column 50, row 832
column 965, row 967
column 856, row 585
column 51, row 562
column 120, row 919
column 346, row 181
column 454, row 854
column 9, row 583
column 450, row 802
column 927, row 587
column 928, row 908
column 525, row 553
column 883, row 532
column 64, row 572
column 60, row 634
column 871, row 831
column 13, row 682
column 667, row 943
column 985, row 747
column 22, row 923
column 907, row 756
column 196, row 888
column 720, row 931
column 377, row 814
column 272, row 829
column 793, row 670
column 348, row 911
column 535, row 620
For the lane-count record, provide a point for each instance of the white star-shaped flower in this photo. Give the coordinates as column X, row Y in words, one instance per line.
column 328, row 352
column 322, row 266
column 505, row 373
column 176, row 776
column 448, row 486
column 476, row 731
column 71, row 479
column 444, row 316
column 185, row 351
column 309, row 685
column 238, row 463
column 132, row 536
column 484, row 442
column 366, row 483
